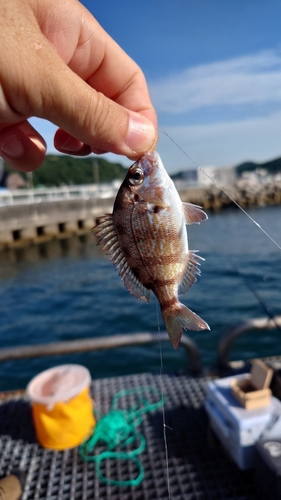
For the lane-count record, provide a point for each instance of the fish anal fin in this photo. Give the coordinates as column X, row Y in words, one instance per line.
column 136, row 288
column 103, row 220
column 193, row 213
column 110, row 245
column 189, row 276
column 180, row 318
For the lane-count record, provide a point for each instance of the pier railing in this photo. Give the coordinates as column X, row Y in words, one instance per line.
column 39, row 195
column 252, row 325
column 37, row 215
column 98, row 344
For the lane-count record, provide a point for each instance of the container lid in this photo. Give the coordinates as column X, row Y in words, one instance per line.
column 261, row 374
column 237, row 417
column 60, row 383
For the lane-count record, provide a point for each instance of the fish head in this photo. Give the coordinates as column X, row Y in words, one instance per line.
column 148, row 179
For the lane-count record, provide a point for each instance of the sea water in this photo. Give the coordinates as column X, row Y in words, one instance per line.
column 66, row 289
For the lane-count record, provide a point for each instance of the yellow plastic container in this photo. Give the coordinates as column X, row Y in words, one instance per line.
column 62, row 407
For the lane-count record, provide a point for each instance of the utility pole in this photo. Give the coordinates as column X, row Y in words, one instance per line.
column 30, row 180
column 96, row 173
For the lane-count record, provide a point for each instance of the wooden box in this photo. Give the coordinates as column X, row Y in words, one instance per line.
column 253, row 391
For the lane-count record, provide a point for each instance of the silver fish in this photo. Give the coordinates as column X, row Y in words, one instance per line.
column 146, row 239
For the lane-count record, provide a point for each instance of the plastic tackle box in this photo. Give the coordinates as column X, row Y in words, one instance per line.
column 239, row 429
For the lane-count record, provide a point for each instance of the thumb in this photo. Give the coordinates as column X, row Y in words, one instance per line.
column 94, row 119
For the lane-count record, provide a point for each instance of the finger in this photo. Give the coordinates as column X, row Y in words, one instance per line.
column 93, row 119
column 67, row 144
column 22, row 146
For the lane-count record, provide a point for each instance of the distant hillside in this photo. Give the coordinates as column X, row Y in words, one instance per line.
column 177, row 176
column 272, row 166
column 60, row 170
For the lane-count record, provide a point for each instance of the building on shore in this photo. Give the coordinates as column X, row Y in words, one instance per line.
column 223, row 176
column 206, row 175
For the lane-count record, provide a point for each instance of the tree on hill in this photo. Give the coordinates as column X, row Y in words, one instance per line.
column 248, row 166
column 272, row 166
column 58, row 170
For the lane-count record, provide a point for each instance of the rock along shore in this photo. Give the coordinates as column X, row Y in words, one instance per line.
column 246, row 195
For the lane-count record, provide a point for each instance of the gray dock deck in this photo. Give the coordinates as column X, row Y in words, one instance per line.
column 198, row 467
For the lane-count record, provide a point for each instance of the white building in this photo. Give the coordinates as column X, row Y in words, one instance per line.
column 220, row 175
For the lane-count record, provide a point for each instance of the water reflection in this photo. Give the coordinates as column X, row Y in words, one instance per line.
column 76, row 247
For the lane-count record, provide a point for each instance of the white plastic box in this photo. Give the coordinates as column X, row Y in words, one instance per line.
column 239, row 429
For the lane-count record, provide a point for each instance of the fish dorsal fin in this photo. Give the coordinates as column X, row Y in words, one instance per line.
column 110, row 245
column 189, row 277
column 193, row 213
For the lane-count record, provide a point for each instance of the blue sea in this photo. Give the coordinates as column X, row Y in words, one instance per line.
column 66, row 289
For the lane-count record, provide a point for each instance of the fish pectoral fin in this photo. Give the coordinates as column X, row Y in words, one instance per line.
column 181, row 318
column 193, row 213
column 110, row 245
column 189, row 276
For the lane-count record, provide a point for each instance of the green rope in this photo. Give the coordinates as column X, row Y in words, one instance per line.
column 118, row 429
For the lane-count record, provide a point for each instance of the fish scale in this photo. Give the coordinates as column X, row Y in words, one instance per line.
column 146, row 239
column 161, row 251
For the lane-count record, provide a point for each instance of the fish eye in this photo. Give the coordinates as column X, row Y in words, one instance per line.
column 136, row 176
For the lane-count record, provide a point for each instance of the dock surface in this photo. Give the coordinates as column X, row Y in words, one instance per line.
column 198, row 467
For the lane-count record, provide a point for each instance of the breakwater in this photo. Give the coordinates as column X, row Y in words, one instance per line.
column 29, row 223
column 246, row 195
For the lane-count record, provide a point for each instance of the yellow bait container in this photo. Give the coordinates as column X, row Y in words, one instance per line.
column 62, row 407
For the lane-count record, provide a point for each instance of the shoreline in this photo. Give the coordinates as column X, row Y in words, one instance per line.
column 246, row 195
column 35, row 223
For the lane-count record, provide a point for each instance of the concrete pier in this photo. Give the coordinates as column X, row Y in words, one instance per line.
column 38, row 222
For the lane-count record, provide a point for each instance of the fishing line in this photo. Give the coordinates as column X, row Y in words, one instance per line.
column 246, row 282
column 223, row 190
column 163, row 409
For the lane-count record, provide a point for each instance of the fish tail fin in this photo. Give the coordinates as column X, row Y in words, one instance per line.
column 179, row 318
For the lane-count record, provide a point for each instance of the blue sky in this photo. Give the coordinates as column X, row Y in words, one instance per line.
column 214, row 72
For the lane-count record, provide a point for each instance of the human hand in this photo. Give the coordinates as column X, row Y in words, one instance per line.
column 57, row 63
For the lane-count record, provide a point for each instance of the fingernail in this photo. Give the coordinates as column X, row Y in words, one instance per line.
column 72, row 144
column 12, row 146
column 97, row 151
column 141, row 135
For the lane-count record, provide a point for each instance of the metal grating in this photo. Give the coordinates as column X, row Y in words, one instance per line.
column 198, row 467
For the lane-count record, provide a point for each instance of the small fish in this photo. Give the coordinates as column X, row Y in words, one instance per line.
column 146, row 239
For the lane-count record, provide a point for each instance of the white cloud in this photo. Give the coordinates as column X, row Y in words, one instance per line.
column 222, row 144
column 253, row 79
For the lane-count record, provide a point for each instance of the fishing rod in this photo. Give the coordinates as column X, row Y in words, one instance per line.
column 259, row 299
